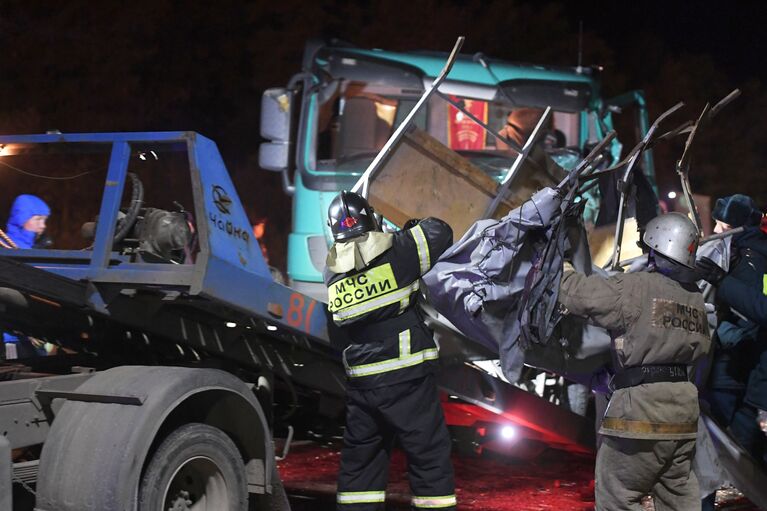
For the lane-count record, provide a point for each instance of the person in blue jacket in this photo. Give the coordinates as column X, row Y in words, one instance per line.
column 27, row 221
column 25, row 228
column 739, row 373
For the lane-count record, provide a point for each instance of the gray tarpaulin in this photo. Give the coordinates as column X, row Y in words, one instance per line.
column 478, row 283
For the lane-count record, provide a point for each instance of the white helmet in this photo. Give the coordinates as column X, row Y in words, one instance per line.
column 673, row 235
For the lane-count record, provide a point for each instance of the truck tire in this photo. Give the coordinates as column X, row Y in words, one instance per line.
column 197, row 467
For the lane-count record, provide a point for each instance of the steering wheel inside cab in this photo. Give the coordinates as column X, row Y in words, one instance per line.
column 148, row 234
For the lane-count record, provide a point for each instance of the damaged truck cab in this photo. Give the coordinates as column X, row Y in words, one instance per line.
column 332, row 119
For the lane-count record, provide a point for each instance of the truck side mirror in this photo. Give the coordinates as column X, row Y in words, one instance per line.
column 276, row 106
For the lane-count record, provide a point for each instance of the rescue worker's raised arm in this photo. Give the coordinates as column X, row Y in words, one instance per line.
column 594, row 297
column 432, row 237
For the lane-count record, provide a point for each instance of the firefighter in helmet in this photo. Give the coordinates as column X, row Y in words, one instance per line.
column 373, row 283
column 657, row 320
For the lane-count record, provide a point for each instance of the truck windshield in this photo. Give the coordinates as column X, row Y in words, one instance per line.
column 357, row 118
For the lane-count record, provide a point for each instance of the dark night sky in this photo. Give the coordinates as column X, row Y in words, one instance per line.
column 167, row 64
column 733, row 33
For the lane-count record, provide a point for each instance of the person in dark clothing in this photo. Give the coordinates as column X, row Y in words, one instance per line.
column 737, row 387
column 25, row 228
column 373, row 283
column 738, row 382
column 751, row 303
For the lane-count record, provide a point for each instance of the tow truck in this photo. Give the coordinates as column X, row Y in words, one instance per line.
column 179, row 355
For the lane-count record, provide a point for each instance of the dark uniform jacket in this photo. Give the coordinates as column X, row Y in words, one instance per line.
column 652, row 319
column 744, row 291
column 373, row 283
column 745, row 286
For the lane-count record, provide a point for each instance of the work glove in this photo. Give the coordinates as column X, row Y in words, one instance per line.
column 709, row 271
column 410, row 223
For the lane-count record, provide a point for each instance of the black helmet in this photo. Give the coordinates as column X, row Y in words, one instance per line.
column 350, row 215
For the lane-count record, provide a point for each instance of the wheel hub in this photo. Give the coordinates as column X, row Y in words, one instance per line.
column 197, row 485
column 181, row 502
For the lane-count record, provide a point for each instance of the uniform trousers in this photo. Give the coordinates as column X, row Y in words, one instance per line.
column 410, row 413
column 628, row 469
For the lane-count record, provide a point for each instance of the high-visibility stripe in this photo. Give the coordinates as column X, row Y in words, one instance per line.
column 764, row 284
column 422, row 246
column 361, row 287
column 360, row 497
column 434, row 502
column 393, row 364
column 645, row 427
column 404, row 343
column 377, row 303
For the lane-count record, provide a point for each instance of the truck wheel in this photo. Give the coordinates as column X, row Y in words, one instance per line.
column 196, row 468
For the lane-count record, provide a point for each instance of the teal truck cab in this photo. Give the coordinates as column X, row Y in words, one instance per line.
column 331, row 120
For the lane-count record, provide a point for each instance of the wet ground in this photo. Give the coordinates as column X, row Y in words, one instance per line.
column 554, row 480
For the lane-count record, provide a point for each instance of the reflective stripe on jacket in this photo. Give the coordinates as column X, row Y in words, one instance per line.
column 376, row 306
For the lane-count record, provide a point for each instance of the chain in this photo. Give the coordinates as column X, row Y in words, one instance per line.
column 6, row 241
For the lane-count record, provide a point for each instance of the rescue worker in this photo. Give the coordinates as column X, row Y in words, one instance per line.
column 736, row 343
column 657, row 321
column 742, row 363
column 25, row 229
column 373, row 283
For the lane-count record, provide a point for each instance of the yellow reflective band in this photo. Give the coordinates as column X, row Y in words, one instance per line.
column 434, row 502
column 404, row 343
column 377, row 303
column 360, row 497
column 393, row 364
column 764, row 284
column 422, row 246
column 361, row 287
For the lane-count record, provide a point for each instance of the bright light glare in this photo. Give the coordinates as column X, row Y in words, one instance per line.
column 271, row 328
column 508, row 432
column 672, row 195
column 229, row 324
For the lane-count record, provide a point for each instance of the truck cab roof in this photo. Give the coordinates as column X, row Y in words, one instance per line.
column 565, row 88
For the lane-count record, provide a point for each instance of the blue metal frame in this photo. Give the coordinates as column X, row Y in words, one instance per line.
column 229, row 267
